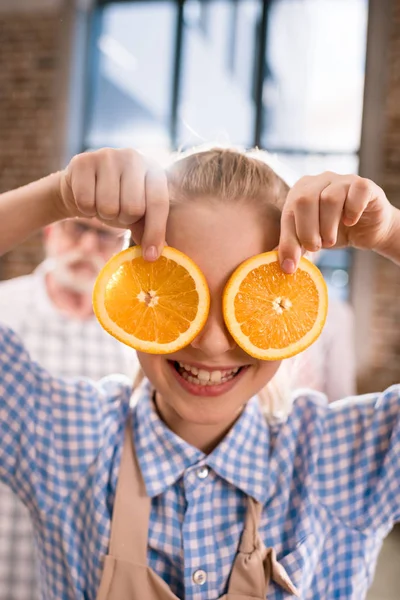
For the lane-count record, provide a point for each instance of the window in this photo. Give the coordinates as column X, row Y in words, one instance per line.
column 272, row 73
column 313, row 86
column 216, row 100
column 133, row 73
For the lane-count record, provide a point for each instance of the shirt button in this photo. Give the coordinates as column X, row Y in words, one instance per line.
column 200, row 577
column 203, row 472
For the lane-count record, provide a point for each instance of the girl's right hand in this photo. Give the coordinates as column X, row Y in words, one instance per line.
column 122, row 189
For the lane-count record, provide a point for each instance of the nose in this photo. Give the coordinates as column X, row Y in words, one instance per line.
column 89, row 241
column 214, row 339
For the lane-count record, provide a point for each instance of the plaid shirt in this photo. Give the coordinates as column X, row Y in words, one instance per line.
column 66, row 347
column 328, row 477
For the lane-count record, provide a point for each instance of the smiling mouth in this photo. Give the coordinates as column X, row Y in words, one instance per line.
column 205, row 377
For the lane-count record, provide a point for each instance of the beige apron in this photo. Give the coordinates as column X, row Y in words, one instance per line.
column 126, row 575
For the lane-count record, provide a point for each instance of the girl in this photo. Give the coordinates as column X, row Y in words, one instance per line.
column 212, row 501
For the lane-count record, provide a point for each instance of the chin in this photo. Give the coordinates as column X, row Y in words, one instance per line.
column 203, row 414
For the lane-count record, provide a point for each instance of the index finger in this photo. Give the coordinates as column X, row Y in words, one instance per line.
column 156, row 213
column 297, row 218
column 289, row 248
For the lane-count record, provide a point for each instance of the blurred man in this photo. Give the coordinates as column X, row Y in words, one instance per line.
column 52, row 312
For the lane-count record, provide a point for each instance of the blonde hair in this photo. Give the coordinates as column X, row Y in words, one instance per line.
column 227, row 174
column 232, row 175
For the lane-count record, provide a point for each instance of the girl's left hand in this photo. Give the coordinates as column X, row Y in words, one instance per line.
column 333, row 211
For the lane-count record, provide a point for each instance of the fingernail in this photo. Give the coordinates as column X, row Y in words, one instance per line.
column 288, row 266
column 151, row 253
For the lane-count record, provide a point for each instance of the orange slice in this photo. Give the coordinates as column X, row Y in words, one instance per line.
column 270, row 314
column 156, row 307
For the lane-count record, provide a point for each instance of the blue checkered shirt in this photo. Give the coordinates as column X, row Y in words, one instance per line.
column 328, row 477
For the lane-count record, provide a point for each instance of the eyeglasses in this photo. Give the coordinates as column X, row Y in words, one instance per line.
column 107, row 240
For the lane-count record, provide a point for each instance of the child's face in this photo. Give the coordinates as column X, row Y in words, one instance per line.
column 218, row 237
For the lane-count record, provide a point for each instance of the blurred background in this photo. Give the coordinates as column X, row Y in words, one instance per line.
column 314, row 82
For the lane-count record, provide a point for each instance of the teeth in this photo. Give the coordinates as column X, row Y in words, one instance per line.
column 204, row 375
column 195, row 370
column 201, row 382
column 216, row 376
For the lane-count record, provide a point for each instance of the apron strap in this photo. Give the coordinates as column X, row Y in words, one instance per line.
column 249, row 540
column 248, row 576
column 255, row 565
column 131, row 513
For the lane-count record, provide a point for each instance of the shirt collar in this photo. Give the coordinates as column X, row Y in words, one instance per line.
column 241, row 458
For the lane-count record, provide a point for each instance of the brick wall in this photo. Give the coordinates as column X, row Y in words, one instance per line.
column 385, row 327
column 29, row 108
